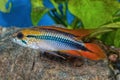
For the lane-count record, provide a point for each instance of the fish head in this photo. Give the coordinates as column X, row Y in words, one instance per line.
column 22, row 38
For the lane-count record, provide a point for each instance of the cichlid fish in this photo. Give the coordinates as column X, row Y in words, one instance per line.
column 67, row 41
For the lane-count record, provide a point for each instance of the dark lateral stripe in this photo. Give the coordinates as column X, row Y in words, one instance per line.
column 31, row 36
column 24, row 42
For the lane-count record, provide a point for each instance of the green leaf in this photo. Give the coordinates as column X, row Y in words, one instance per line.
column 112, row 38
column 56, row 4
column 94, row 13
column 75, row 24
column 60, row 17
column 3, row 7
column 108, row 38
column 38, row 10
column 60, row 1
column 117, row 13
column 117, row 38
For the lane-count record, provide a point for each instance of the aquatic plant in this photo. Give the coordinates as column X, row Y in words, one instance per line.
column 87, row 14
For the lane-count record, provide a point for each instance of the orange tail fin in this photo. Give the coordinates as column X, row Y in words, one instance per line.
column 96, row 52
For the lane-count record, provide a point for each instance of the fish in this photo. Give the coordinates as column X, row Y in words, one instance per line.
column 66, row 41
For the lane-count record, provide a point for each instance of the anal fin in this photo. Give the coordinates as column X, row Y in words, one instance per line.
column 56, row 54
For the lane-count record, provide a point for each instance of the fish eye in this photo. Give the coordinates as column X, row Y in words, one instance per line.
column 20, row 35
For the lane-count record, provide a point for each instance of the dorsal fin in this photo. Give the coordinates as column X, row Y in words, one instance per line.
column 76, row 32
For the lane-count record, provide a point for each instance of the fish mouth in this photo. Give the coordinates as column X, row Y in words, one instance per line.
column 14, row 35
column 19, row 42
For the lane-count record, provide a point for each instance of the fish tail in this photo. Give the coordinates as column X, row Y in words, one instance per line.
column 94, row 53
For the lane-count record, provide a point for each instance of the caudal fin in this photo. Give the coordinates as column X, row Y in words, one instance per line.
column 95, row 53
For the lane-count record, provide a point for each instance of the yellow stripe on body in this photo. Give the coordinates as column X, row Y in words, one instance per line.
column 27, row 32
column 30, row 32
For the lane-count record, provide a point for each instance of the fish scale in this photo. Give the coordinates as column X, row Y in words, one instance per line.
column 59, row 35
column 55, row 38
